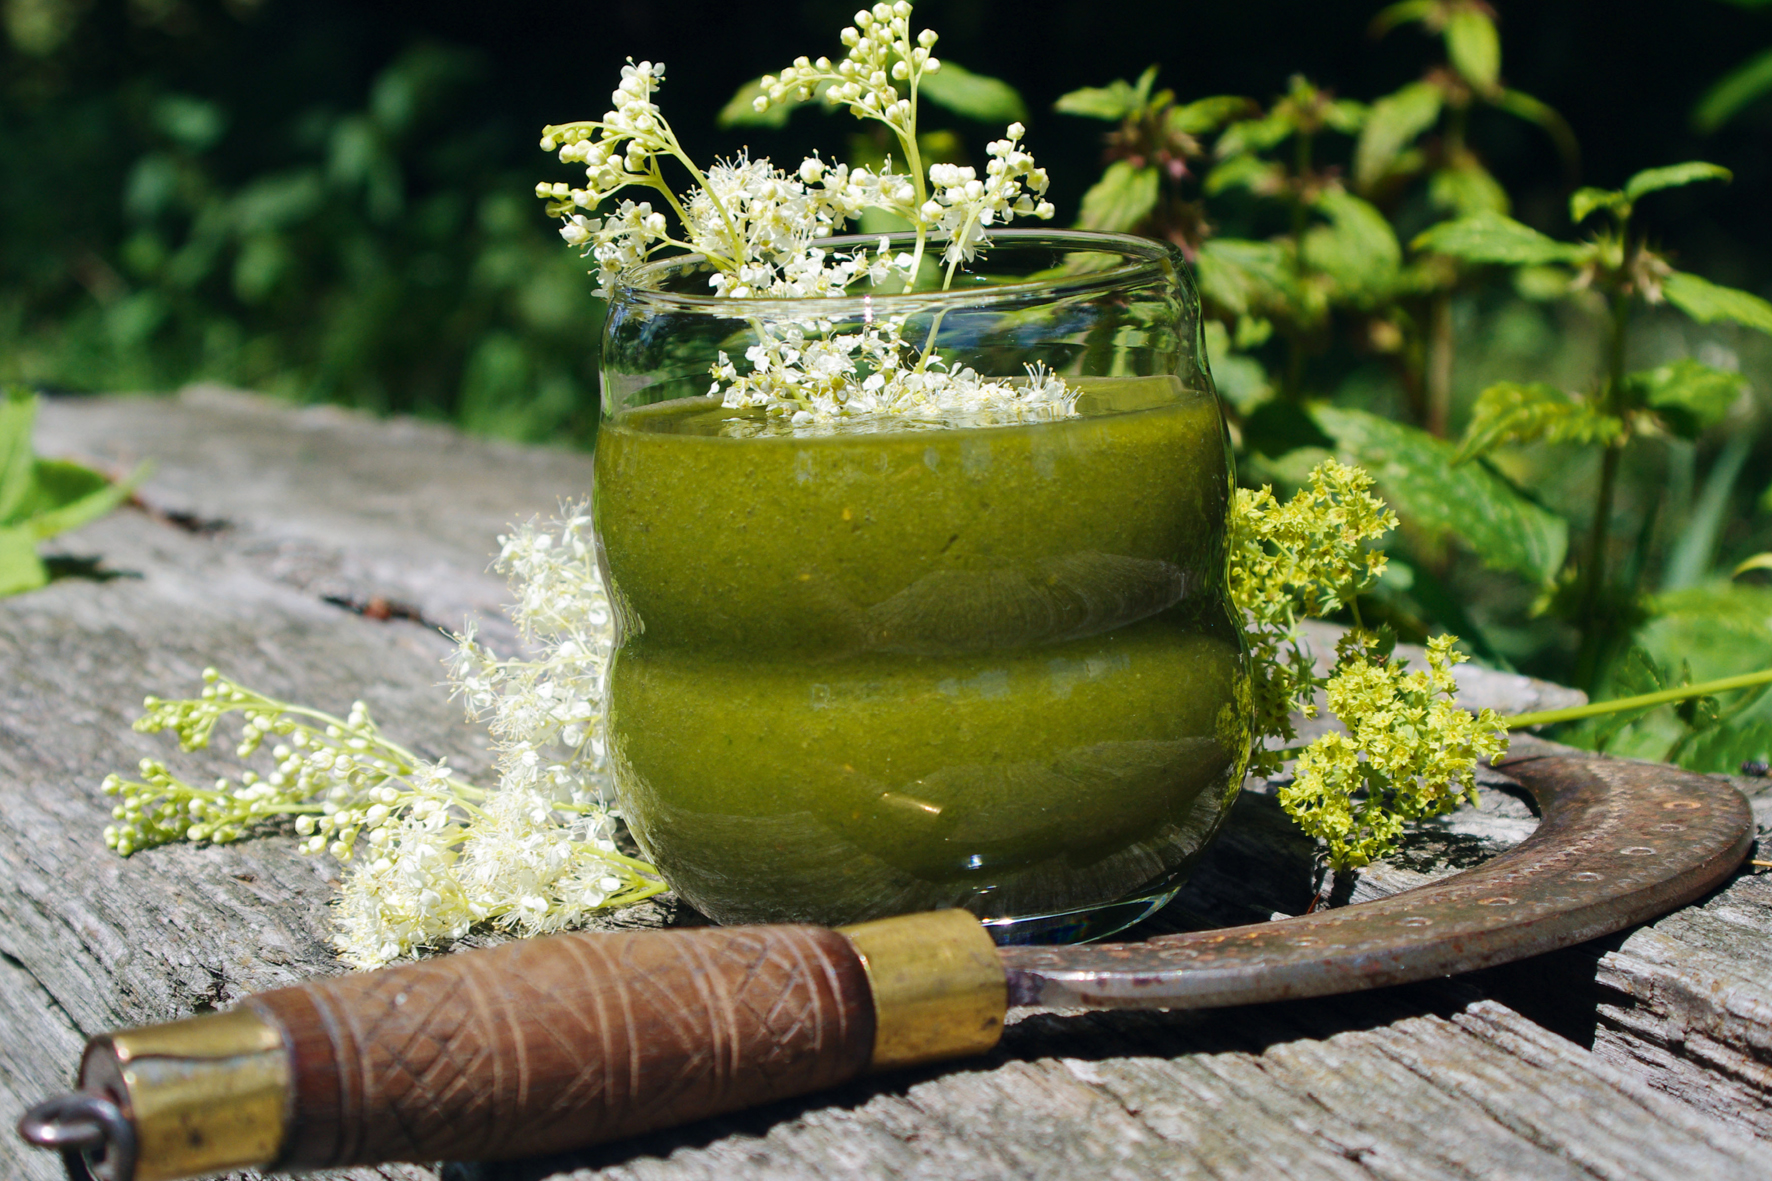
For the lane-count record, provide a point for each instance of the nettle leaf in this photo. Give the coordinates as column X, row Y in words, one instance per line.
column 1239, row 378
column 1474, row 47
column 1115, row 101
column 1493, row 238
column 1244, row 172
column 1123, row 197
column 1254, row 135
column 20, row 567
column 1583, row 202
column 1673, row 176
column 1243, row 276
column 1466, row 189
column 1514, row 412
column 1345, row 115
column 1723, row 750
column 1705, row 302
column 1690, row 396
column 1357, row 249
column 18, row 417
column 974, row 96
column 1416, row 474
column 1403, row 13
column 1733, row 91
column 1208, row 114
column 1392, row 124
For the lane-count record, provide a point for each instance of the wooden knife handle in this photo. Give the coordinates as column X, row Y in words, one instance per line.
column 549, row 1044
column 534, row 1047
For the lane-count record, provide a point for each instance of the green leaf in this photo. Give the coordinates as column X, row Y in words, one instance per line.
column 1511, row 412
column 1253, row 135
column 20, row 567
column 1245, row 172
column 75, row 496
column 1243, row 276
column 1403, row 13
column 1121, row 199
column 18, row 416
column 1465, row 189
column 1493, row 238
column 1690, row 396
column 1705, row 302
column 1723, row 750
column 740, row 110
column 1279, row 426
column 1673, row 176
column 1524, row 106
column 1475, row 48
column 1345, row 115
column 1416, row 474
column 973, row 96
column 1583, row 202
column 1358, row 250
column 1733, row 91
column 1392, row 124
column 1117, row 100
column 1208, row 114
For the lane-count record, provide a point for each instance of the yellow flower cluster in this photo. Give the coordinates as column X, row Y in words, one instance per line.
column 1409, row 751
column 1299, row 560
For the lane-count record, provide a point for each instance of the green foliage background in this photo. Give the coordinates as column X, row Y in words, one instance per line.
column 332, row 201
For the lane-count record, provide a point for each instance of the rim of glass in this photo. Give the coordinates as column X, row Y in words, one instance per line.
column 1141, row 259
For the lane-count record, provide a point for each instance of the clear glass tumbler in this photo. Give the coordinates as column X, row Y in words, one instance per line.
column 889, row 664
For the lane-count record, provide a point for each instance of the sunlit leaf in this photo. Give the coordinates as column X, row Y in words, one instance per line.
column 1690, row 396
column 1512, row 412
column 1123, row 197
column 1474, row 47
column 72, row 496
column 18, row 415
column 1208, row 114
column 1493, row 238
column 1722, row 751
column 1673, row 176
column 1466, row 188
column 1357, row 249
column 1345, row 115
column 1244, row 172
column 1393, row 122
column 20, row 567
column 1254, row 135
column 1415, row 472
column 1402, row 13
column 1705, row 302
column 973, row 96
column 1243, row 276
column 1115, row 101
column 1761, row 561
column 1733, row 91
column 1583, row 202
column 740, row 110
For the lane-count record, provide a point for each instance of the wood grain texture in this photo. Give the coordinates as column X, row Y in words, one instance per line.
column 550, row 1044
column 1612, row 1059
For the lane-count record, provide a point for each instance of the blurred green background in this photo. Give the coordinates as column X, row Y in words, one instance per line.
column 333, row 202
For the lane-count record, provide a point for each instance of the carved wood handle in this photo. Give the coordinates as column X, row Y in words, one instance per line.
column 549, row 1044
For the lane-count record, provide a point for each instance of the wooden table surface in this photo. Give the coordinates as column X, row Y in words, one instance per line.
column 1645, row 1055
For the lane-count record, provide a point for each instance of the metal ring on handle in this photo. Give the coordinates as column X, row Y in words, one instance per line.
column 1619, row 842
column 84, row 1128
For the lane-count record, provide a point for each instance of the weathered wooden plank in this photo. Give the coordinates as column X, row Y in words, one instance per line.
column 319, row 502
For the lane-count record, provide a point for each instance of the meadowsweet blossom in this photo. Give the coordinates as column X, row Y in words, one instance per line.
column 428, row 855
column 763, row 228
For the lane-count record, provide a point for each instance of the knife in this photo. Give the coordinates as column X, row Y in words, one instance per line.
column 547, row 1045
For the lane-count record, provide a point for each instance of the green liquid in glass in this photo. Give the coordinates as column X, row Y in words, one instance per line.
column 867, row 673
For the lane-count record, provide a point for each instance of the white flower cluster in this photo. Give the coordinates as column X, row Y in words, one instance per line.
column 812, row 378
column 430, row 856
column 761, row 227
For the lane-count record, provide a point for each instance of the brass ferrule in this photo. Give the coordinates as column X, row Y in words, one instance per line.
column 939, row 987
column 206, row 1094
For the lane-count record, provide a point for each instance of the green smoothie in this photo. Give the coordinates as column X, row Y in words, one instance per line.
column 869, row 671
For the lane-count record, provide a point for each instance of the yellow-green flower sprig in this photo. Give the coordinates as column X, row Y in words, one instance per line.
column 1302, row 559
column 1409, row 752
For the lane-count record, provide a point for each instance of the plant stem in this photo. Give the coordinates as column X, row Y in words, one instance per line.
column 1588, row 664
column 1643, row 701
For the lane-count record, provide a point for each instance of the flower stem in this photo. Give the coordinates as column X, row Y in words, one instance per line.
column 1642, row 701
